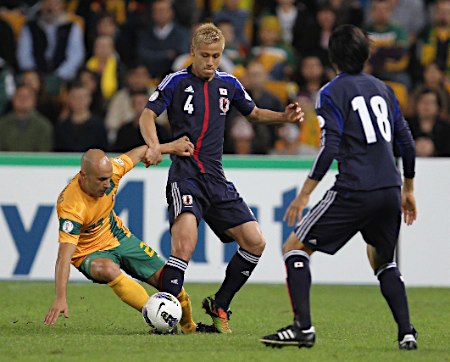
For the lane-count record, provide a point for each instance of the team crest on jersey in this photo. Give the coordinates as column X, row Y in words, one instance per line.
column 224, row 105
column 187, row 200
column 154, row 96
column 67, row 226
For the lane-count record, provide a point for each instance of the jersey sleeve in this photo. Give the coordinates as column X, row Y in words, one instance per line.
column 161, row 98
column 241, row 99
column 69, row 224
column 332, row 125
column 404, row 140
column 121, row 165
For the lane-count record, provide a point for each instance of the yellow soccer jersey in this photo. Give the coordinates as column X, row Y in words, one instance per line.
column 91, row 223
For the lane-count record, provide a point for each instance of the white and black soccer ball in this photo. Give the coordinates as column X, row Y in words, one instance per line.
column 162, row 312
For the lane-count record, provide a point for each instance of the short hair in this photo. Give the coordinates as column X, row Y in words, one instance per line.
column 349, row 48
column 207, row 33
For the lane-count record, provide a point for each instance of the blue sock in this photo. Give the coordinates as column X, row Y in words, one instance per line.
column 172, row 276
column 299, row 285
column 393, row 290
column 238, row 271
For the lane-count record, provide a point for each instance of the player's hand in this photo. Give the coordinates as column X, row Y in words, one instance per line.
column 152, row 156
column 183, row 147
column 294, row 113
column 409, row 208
column 54, row 311
column 295, row 210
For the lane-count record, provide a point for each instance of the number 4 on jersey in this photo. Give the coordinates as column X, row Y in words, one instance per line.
column 380, row 110
column 188, row 106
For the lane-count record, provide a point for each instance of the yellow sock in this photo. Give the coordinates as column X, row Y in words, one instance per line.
column 130, row 291
column 187, row 323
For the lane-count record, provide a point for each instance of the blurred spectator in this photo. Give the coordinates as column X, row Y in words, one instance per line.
column 432, row 133
column 186, row 12
column 433, row 78
column 24, row 129
column 315, row 39
column 277, row 58
column 47, row 105
column 255, row 83
column 294, row 19
column 81, row 130
column 129, row 136
column 288, row 142
column 7, row 46
column 240, row 18
column 162, row 41
column 433, row 44
column 347, row 11
column 242, row 135
column 52, row 44
column 410, row 15
column 120, row 108
column 312, row 78
column 105, row 63
column 106, row 25
column 91, row 80
column 389, row 59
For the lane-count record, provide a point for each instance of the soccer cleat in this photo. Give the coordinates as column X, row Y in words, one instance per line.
column 206, row 328
column 409, row 341
column 219, row 316
column 291, row 336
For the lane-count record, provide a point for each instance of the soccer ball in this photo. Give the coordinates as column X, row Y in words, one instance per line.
column 162, row 312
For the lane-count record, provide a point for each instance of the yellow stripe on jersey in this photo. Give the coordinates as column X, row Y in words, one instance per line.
column 91, row 223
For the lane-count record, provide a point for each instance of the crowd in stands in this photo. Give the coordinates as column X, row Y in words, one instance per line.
column 76, row 74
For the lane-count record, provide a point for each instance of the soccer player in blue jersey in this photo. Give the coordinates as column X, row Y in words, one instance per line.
column 360, row 120
column 197, row 100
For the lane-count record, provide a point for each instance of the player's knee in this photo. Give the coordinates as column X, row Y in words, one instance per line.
column 255, row 245
column 104, row 270
column 292, row 243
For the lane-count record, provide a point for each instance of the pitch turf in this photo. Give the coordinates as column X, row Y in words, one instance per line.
column 353, row 323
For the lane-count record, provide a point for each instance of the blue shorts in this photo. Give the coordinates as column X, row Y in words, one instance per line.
column 211, row 198
column 331, row 223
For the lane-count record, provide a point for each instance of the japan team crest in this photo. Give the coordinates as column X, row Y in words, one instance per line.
column 224, row 105
column 187, row 200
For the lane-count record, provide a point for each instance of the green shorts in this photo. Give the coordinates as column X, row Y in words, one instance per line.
column 133, row 256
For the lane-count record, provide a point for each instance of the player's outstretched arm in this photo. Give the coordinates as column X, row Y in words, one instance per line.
column 153, row 154
column 409, row 207
column 62, row 269
column 180, row 147
column 292, row 113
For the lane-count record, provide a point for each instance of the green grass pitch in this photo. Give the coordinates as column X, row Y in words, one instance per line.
column 353, row 323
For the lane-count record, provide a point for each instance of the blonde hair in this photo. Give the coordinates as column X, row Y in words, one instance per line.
column 207, row 33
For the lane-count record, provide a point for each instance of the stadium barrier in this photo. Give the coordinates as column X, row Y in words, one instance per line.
column 30, row 184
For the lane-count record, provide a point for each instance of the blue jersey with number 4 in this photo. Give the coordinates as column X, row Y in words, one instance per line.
column 198, row 109
column 361, row 121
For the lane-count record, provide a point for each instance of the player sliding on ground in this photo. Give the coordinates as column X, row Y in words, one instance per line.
column 95, row 240
column 360, row 120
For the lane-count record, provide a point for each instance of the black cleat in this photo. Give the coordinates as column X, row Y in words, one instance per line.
column 409, row 341
column 291, row 336
column 174, row 330
column 206, row 328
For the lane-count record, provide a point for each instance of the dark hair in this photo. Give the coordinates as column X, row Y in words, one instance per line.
column 349, row 48
column 427, row 90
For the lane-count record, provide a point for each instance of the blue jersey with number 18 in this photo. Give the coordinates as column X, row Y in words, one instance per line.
column 361, row 121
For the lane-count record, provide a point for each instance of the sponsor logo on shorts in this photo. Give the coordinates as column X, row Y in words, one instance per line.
column 187, row 200
column 298, row 264
column 312, row 241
